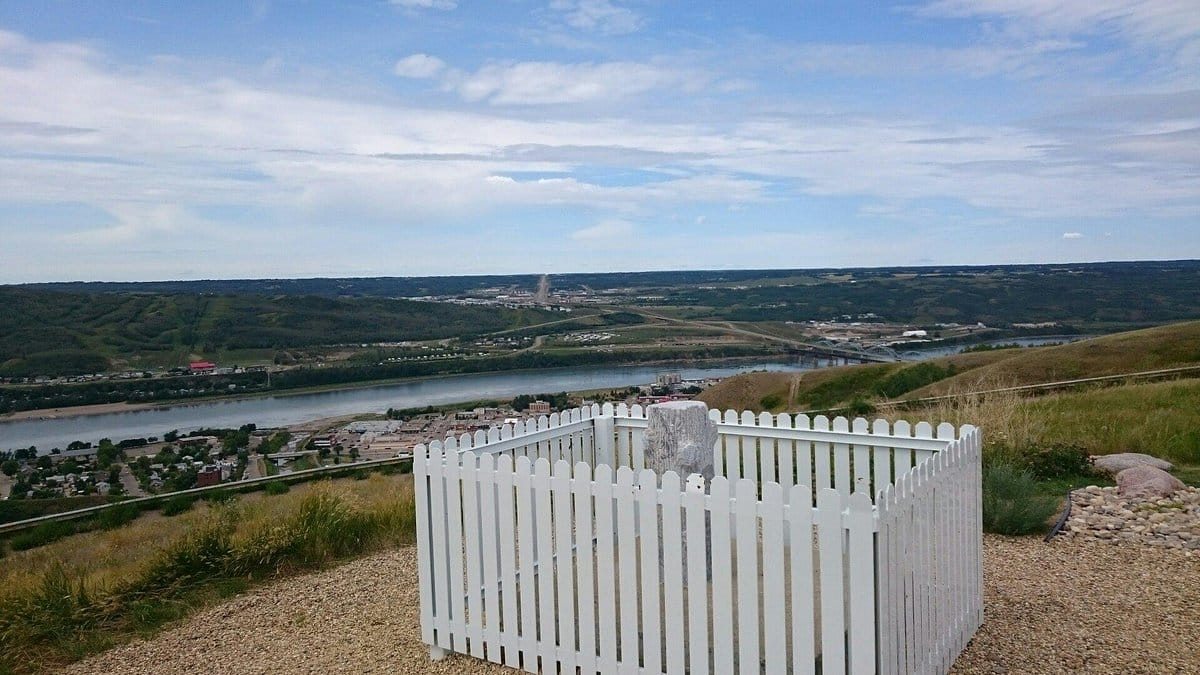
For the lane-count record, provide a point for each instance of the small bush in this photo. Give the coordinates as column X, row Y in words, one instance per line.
column 177, row 505
column 276, row 487
column 860, row 407
column 41, row 535
column 117, row 515
column 771, row 401
column 1058, row 461
column 1012, row 502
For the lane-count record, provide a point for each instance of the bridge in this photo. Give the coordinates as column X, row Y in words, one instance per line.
column 845, row 350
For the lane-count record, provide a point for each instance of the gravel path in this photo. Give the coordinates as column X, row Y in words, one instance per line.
column 1086, row 607
column 1065, row 607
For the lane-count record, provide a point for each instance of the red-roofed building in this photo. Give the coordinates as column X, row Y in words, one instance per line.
column 202, row 367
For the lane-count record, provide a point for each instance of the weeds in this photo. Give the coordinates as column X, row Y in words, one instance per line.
column 275, row 487
column 177, row 505
column 1013, row 503
column 70, row 606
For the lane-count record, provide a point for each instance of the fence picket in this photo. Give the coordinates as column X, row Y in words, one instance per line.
column 800, row 559
column 606, row 570
column 652, row 657
column 830, row 537
column 506, row 538
column 672, row 551
column 841, row 462
column 543, row 516
column 454, row 543
column 526, row 526
column 861, row 552
column 697, row 581
column 774, row 593
column 862, row 458
column 722, row 591
column 585, row 565
column 628, row 587
column 746, row 508
column 473, row 557
column 489, row 514
column 823, row 471
column 424, row 547
column 564, row 572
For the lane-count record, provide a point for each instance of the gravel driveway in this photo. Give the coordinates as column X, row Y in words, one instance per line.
column 1065, row 607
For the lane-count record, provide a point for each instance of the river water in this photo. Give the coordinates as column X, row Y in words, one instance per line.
column 285, row 410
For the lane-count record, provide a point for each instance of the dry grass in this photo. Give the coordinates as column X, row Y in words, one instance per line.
column 1133, row 351
column 85, row 593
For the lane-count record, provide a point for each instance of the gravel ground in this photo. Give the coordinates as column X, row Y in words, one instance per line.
column 1064, row 607
column 1086, row 607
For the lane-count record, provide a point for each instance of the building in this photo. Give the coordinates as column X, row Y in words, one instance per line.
column 209, row 475
column 539, row 408
column 202, row 367
column 668, row 379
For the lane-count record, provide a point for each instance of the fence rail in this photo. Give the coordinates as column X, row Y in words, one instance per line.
column 829, row 546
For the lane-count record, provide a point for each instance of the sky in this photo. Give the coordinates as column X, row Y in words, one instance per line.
column 187, row 140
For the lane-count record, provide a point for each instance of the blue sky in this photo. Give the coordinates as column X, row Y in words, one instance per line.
column 176, row 140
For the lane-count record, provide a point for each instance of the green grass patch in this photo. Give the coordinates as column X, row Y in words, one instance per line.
column 41, row 535
column 177, row 505
column 1013, row 501
column 275, row 487
column 64, row 604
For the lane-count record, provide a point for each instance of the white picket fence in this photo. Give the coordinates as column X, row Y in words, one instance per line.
column 824, row 546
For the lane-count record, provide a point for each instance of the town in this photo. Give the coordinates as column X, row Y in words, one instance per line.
column 177, row 461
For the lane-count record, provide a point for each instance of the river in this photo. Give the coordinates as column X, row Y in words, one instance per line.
column 285, row 410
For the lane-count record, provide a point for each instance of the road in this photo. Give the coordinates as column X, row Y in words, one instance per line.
column 129, row 483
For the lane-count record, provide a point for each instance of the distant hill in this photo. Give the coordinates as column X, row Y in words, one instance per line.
column 61, row 333
column 1112, row 295
column 1149, row 349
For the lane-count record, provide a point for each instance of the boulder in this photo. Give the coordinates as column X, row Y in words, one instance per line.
column 1115, row 464
column 1147, row 482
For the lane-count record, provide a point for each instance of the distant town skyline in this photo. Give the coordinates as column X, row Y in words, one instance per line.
column 256, row 139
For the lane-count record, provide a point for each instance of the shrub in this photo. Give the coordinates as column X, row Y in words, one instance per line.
column 41, row 535
column 276, row 487
column 1057, row 461
column 117, row 515
column 860, row 407
column 771, row 401
column 177, row 505
column 1012, row 502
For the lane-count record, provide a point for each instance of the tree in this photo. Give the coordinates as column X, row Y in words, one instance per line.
column 353, row 453
column 10, row 467
column 44, row 462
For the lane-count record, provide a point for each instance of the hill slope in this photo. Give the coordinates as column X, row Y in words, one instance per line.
column 50, row 333
column 1149, row 349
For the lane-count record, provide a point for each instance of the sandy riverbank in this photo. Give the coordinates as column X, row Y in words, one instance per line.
column 80, row 411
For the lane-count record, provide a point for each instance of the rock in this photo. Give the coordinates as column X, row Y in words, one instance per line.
column 680, row 438
column 1147, row 482
column 1117, row 463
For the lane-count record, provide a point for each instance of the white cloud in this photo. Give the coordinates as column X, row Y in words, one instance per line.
column 1072, row 235
column 605, row 230
column 547, row 82
column 425, row 4
column 599, row 15
column 419, row 66
column 1160, row 20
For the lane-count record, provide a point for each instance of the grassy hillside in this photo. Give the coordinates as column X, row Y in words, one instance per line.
column 840, row 386
column 85, row 593
column 1149, row 349
column 48, row 333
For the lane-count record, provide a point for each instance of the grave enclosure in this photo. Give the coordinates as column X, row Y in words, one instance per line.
column 820, row 546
